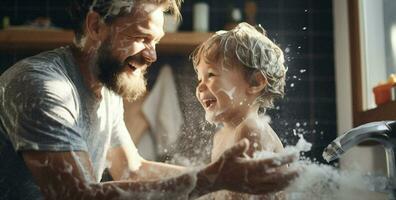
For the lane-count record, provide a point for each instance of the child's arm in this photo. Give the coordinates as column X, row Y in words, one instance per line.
column 262, row 139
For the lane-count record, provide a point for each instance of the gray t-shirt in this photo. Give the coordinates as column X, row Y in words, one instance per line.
column 45, row 106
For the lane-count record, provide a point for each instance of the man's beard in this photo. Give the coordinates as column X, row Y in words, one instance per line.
column 113, row 75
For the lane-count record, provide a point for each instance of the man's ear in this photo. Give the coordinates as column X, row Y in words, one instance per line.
column 94, row 26
column 258, row 84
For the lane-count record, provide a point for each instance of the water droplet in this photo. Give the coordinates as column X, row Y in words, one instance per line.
column 304, row 28
column 302, row 70
column 298, row 124
column 292, row 85
column 287, row 50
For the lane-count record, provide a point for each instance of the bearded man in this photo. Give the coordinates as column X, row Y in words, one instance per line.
column 61, row 118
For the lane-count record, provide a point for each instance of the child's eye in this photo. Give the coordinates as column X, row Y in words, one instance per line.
column 211, row 74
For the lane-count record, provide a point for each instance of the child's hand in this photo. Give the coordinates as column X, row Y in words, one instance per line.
column 256, row 176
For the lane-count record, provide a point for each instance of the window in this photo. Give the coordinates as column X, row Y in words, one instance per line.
column 373, row 51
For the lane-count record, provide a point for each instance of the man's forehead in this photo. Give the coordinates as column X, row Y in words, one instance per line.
column 142, row 21
column 141, row 12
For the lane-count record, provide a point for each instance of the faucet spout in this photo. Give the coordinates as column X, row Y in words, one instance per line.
column 374, row 131
column 341, row 144
column 383, row 132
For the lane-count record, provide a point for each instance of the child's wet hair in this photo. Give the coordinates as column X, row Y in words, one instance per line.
column 247, row 46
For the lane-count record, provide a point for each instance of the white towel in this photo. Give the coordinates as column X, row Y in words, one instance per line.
column 162, row 110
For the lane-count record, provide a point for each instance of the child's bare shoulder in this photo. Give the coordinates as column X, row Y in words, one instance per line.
column 253, row 126
column 261, row 133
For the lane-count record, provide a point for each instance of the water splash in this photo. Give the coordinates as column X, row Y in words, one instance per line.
column 325, row 182
column 319, row 181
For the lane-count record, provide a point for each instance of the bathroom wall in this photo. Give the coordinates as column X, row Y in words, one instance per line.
column 303, row 29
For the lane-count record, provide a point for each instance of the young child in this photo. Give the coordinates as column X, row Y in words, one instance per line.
column 240, row 73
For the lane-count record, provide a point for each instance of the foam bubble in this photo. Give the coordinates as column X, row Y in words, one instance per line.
column 325, row 182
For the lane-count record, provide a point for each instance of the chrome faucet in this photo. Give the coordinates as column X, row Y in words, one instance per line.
column 383, row 132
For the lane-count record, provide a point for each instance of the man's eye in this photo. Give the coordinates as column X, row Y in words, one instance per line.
column 211, row 75
column 140, row 39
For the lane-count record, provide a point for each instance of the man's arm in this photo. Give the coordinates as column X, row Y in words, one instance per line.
column 149, row 170
column 231, row 171
column 68, row 175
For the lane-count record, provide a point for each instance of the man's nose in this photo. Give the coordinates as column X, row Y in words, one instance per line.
column 149, row 54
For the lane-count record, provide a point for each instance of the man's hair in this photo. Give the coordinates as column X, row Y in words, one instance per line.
column 249, row 47
column 111, row 9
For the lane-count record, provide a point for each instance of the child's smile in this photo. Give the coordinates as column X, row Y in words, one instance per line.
column 209, row 103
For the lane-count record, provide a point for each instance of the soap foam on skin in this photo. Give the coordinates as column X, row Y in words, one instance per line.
column 229, row 93
column 210, row 116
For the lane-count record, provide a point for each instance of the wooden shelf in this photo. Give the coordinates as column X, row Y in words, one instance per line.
column 382, row 112
column 38, row 40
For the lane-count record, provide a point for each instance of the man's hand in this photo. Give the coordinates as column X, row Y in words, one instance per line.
column 233, row 171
